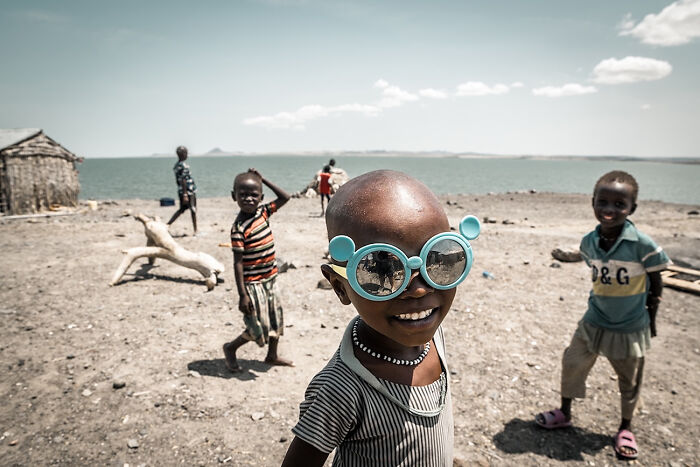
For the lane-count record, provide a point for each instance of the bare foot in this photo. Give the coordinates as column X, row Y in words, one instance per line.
column 279, row 362
column 231, row 361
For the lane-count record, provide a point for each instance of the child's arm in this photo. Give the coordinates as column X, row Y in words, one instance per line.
column 282, row 196
column 183, row 185
column 656, row 287
column 245, row 305
column 302, row 454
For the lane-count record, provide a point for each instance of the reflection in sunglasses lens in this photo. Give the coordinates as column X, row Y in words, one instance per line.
column 445, row 262
column 380, row 273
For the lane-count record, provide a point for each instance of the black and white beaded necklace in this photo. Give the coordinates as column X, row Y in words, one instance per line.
column 375, row 354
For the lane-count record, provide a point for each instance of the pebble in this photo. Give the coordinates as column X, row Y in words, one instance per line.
column 283, row 439
column 323, row 284
column 70, row 356
column 257, row 416
column 87, row 393
column 132, row 443
column 555, row 265
column 118, row 384
column 13, row 442
column 194, row 374
column 494, row 395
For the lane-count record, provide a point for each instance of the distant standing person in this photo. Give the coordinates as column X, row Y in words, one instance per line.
column 620, row 321
column 186, row 189
column 255, row 268
column 324, row 186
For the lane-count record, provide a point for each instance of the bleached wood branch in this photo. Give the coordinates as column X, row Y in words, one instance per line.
column 160, row 244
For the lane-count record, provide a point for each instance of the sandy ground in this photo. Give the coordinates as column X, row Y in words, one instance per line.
column 68, row 341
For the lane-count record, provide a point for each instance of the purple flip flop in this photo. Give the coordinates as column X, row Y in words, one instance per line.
column 553, row 419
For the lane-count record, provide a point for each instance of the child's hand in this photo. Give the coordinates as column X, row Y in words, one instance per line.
column 652, row 308
column 245, row 305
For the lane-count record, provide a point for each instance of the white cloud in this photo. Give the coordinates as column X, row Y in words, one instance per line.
column 567, row 90
column 477, row 88
column 517, row 84
column 433, row 93
column 630, row 70
column 677, row 24
column 391, row 96
column 41, row 16
column 625, row 23
column 297, row 120
column 394, row 96
column 368, row 110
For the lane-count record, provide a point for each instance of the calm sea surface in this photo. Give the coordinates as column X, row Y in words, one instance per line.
column 152, row 177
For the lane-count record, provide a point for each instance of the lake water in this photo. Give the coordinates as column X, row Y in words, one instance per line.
column 152, row 177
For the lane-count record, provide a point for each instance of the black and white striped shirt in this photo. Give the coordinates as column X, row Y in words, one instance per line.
column 343, row 410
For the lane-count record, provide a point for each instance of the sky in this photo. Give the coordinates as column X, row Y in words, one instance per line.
column 131, row 78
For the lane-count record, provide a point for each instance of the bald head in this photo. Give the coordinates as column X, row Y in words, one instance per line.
column 382, row 204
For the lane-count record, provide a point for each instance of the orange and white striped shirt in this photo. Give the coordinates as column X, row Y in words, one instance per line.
column 253, row 238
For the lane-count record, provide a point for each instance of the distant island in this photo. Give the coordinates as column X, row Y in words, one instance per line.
column 218, row 152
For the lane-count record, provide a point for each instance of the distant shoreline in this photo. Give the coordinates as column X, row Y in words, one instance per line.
column 448, row 198
column 427, row 154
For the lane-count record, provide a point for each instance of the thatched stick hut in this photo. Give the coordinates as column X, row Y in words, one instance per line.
column 36, row 173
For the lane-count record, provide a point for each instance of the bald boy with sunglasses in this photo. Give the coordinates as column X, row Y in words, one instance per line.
column 384, row 397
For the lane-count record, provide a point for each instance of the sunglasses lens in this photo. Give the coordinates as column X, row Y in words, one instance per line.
column 380, row 273
column 446, row 262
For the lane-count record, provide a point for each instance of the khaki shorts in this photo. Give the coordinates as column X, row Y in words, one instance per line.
column 577, row 363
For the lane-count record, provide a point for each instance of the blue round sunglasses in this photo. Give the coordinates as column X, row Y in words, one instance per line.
column 380, row 271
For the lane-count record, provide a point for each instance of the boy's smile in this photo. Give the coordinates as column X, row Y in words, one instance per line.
column 408, row 320
column 408, row 221
column 612, row 203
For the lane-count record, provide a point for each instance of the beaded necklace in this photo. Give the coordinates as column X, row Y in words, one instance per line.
column 375, row 354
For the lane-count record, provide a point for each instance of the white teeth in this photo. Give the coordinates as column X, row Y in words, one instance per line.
column 415, row 316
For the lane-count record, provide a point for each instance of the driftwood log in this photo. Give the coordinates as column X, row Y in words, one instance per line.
column 160, row 244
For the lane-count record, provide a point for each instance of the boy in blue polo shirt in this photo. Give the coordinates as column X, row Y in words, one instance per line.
column 626, row 270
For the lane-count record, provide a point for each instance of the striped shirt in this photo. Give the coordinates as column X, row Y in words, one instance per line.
column 182, row 173
column 344, row 409
column 617, row 301
column 253, row 238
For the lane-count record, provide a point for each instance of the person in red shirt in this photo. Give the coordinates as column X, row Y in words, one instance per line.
column 324, row 186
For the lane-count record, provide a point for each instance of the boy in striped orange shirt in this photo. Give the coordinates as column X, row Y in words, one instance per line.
column 255, row 268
